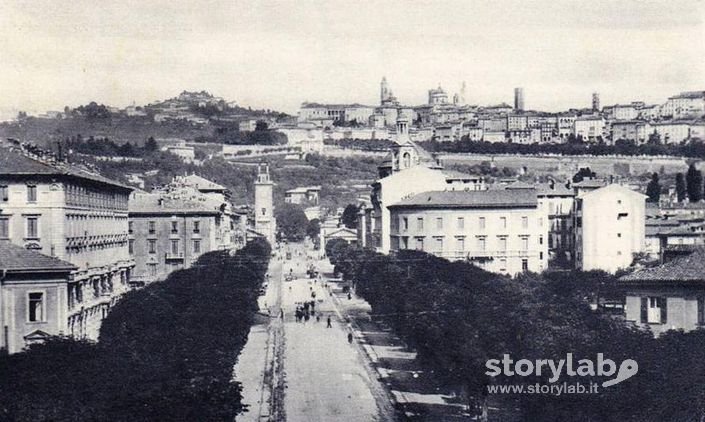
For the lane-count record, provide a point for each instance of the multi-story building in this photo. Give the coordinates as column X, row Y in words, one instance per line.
column 609, row 228
column 499, row 230
column 76, row 216
column 33, row 296
column 673, row 132
column 566, row 125
column 637, row 131
column 517, row 122
column 589, row 128
column 685, row 104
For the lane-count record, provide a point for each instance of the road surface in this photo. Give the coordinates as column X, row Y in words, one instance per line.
column 306, row 371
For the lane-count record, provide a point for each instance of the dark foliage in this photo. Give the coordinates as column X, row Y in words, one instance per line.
column 166, row 352
column 291, row 221
column 349, row 218
column 694, row 184
column 653, row 189
column 681, row 190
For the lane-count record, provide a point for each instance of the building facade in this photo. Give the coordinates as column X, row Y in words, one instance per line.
column 609, row 228
column 498, row 230
column 73, row 215
column 265, row 223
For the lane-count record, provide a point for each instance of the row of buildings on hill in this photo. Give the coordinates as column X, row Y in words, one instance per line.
column 72, row 242
column 680, row 118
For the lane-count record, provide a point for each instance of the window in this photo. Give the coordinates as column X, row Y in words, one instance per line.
column 482, row 223
column 622, row 215
column 460, row 241
column 540, row 255
column 131, row 246
column 405, row 223
column 404, row 242
column 152, row 246
column 174, row 227
column 32, row 227
column 196, row 246
column 4, row 196
column 152, row 270
column 152, row 227
column 175, row 247
column 36, row 307
column 4, row 228
column 439, row 244
column 525, row 243
column 541, row 240
column 619, row 234
column 579, row 222
column 395, row 243
column 525, row 265
column 701, row 311
column 653, row 310
column 419, row 243
column 503, row 243
column 503, row 222
column 196, row 226
column 130, row 227
column 481, row 243
column 264, row 211
column 461, row 222
column 31, row 193
column 419, row 223
column 503, row 264
column 439, row 223
column 524, row 222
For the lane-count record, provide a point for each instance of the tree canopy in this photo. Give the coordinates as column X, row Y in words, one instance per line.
column 291, row 222
column 349, row 218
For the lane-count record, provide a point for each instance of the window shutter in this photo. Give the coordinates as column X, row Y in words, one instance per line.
column 663, row 304
column 644, row 309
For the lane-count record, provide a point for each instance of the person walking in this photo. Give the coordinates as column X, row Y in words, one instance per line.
column 350, row 338
column 328, row 325
column 281, row 313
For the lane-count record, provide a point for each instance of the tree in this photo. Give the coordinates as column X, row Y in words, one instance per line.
column 654, row 139
column 151, row 145
column 694, row 184
column 291, row 222
column 583, row 173
column 349, row 218
column 334, row 248
column 653, row 190
column 261, row 125
column 313, row 229
column 680, row 187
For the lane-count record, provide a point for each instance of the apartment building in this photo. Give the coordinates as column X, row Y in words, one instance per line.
column 76, row 216
column 637, row 131
column 498, row 230
column 609, row 228
column 589, row 128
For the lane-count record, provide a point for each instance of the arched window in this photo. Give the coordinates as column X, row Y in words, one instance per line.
column 407, row 160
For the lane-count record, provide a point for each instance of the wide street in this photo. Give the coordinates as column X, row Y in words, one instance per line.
column 304, row 370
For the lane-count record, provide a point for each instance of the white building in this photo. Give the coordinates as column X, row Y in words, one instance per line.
column 498, row 230
column 589, row 128
column 609, row 227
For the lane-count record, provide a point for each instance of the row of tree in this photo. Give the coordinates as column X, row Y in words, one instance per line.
column 693, row 148
column 166, row 352
column 457, row 316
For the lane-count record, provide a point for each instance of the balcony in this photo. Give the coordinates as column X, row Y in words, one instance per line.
column 170, row 256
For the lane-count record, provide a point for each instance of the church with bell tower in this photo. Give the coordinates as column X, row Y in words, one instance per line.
column 265, row 223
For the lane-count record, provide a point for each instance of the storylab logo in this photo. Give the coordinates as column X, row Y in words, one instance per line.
column 599, row 367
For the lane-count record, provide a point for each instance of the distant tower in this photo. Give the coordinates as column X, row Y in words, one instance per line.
column 462, row 94
column 383, row 91
column 264, row 204
column 595, row 101
column 518, row 99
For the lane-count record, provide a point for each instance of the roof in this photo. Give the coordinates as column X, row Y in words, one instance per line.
column 558, row 189
column 456, row 175
column 150, row 204
column 520, row 185
column 684, row 268
column 470, row 199
column 610, row 187
column 203, row 184
column 15, row 258
column 590, row 183
column 14, row 162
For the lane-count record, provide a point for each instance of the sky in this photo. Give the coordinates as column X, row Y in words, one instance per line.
column 276, row 55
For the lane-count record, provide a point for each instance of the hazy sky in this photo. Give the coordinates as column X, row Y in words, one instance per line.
column 278, row 54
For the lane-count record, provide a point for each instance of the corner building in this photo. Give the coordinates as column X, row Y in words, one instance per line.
column 73, row 215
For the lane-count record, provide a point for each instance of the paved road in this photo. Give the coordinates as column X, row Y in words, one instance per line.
column 304, row 371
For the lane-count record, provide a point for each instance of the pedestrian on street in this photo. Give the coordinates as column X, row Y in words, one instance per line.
column 328, row 325
column 281, row 313
column 318, row 318
column 349, row 296
column 350, row 338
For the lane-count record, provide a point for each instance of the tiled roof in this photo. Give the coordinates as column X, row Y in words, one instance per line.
column 520, row 185
column 456, row 175
column 559, row 189
column 590, row 183
column 202, row 183
column 17, row 258
column 13, row 162
column 470, row 199
column 685, row 268
column 149, row 204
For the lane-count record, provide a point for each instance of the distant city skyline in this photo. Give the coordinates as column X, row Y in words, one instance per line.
column 277, row 55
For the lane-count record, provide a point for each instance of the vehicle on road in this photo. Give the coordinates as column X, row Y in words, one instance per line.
column 289, row 277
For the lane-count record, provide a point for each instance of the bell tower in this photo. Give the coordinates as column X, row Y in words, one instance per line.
column 264, row 203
